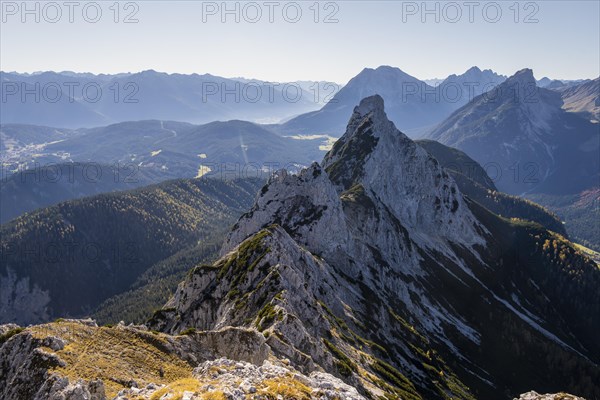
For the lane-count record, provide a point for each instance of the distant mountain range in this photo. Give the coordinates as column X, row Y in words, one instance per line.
column 71, row 100
column 79, row 100
column 42, row 166
column 412, row 103
column 531, row 140
column 522, row 131
column 75, row 100
column 175, row 149
column 548, row 83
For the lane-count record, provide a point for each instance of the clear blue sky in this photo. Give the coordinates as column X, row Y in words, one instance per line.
column 190, row 36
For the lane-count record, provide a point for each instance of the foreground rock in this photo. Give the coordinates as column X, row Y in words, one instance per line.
column 228, row 379
column 77, row 360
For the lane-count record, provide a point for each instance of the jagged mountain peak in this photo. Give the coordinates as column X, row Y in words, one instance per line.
column 477, row 74
column 306, row 205
column 395, row 171
column 524, row 75
column 371, row 104
column 372, row 165
column 381, row 80
column 384, row 69
column 411, row 103
column 536, row 104
column 461, row 89
column 520, row 89
column 545, row 81
column 368, row 124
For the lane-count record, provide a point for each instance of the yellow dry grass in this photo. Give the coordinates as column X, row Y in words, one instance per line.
column 177, row 389
column 288, row 388
column 116, row 356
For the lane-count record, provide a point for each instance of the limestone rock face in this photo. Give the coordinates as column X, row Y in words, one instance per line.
column 306, row 205
column 399, row 174
column 233, row 343
column 225, row 378
column 377, row 202
column 279, row 288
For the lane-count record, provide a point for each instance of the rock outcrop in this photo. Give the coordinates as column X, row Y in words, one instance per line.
column 77, row 360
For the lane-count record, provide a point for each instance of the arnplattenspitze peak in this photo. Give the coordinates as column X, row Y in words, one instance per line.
column 377, row 166
column 370, row 104
column 524, row 75
column 345, row 161
column 395, row 171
